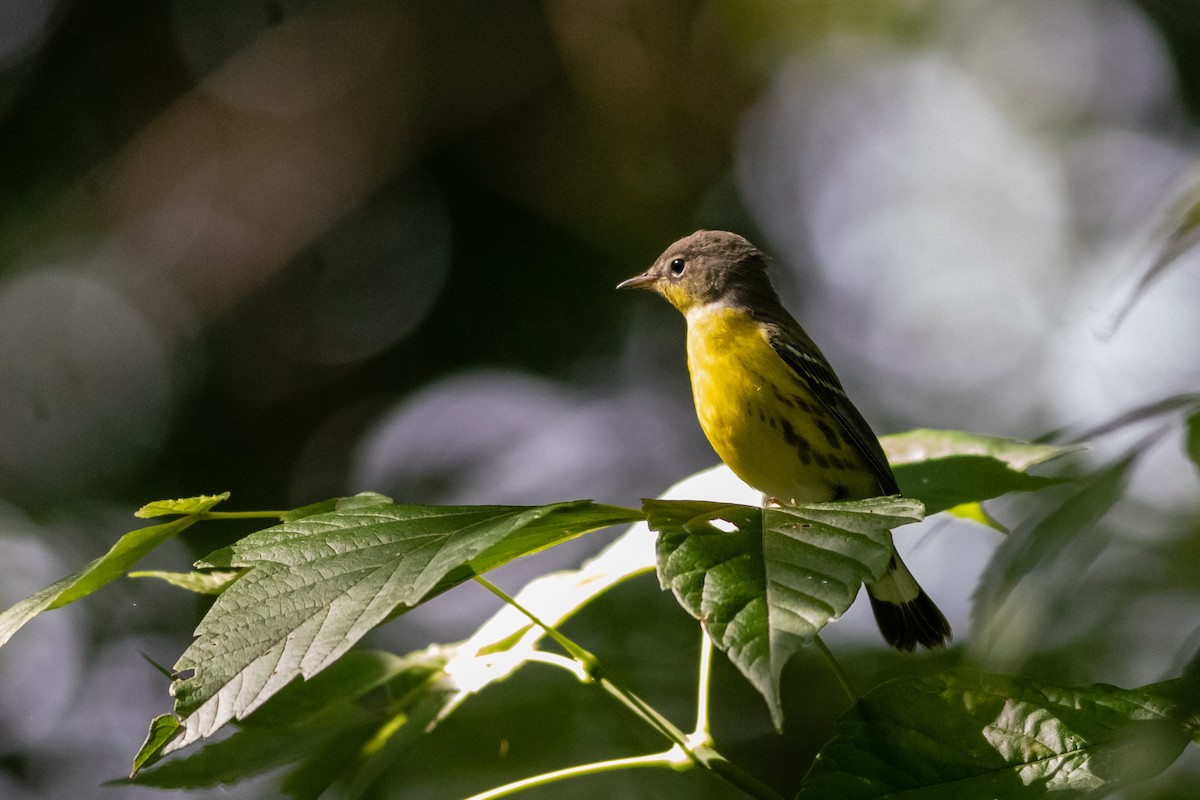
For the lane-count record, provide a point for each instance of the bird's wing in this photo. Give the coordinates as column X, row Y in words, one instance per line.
column 800, row 353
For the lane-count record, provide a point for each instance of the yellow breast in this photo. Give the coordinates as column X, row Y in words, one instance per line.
column 761, row 417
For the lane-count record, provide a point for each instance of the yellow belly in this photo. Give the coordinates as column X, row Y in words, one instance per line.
column 762, row 419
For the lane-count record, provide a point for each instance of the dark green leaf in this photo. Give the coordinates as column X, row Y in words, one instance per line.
column 128, row 550
column 955, row 470
column 966, row 735
column 1193, row 438
column 351, row 676
column 251, row 752
column 943, row 483
column 318, row 584
column 415, row 710
column 1050, row 554
column 163, row 729
column 764, row 592
column 320, row 726
column 186, row 505
column 719, row 577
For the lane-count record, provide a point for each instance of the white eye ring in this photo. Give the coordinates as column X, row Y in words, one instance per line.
column 678, row 265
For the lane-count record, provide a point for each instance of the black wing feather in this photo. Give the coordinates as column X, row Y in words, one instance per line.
column 799, row 352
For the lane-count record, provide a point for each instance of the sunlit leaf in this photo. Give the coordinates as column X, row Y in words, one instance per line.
column 362, row 500
column 764, row 582
column 318, row 584
column 128, row 550
column 359, row 500
column 210, row 581
column 964, row 735
column 185, row 505
column 976, row 513
column 927, row 444
column 356, row 748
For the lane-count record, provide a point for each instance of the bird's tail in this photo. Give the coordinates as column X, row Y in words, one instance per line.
column 905, row 614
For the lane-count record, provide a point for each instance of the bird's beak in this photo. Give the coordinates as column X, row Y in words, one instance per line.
column 644, row 281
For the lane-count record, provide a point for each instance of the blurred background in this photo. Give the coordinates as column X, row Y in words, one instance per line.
column 296, row 250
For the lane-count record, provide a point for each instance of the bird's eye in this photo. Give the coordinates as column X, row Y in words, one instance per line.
column 678, row 265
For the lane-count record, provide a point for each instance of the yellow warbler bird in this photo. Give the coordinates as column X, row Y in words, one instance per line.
column 773, row 408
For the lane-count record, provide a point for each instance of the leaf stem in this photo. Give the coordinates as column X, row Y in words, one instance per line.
column 651, row 716
column 701, row 731
column 241, row 515
column 686, row 750
column 593, row 672
column 718, row 764
column 575, row 651
column 562, row 662
column 667, row 759
column 842, row 678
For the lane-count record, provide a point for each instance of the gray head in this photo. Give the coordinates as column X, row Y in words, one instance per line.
column 709, row 267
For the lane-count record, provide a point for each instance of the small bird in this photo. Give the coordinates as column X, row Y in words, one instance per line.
column 773, row 409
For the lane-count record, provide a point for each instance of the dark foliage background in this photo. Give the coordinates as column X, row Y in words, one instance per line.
column 301, row 249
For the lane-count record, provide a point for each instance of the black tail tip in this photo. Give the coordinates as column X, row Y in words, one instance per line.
column 906, row 625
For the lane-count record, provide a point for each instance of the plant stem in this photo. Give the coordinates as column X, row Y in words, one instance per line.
column 578, row 653
column 241, row 514
column 657, row 760
column 651, row 716
column 684, row 750
column 701, row 733
column 592, row 669
column 837, row 670
column 719, row 765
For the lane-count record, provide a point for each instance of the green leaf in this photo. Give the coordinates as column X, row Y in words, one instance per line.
column 351, row 676
column 1193, row 438
column 926, row 444
column 764, row 582
column 212, row 581
column 416, row 709
column 186, row 505
column 944, row 483
column 497, row 649
column 360, row 754
column 322, row 507
column 976, row 513
column 128, row 550
column 360, row 500
column 321, row 727
column 251, row 752
column 948, row 469
column 1038, row 559
column 964, row 734
column 163, row 729
column 1178, row 233
column 318, row 584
